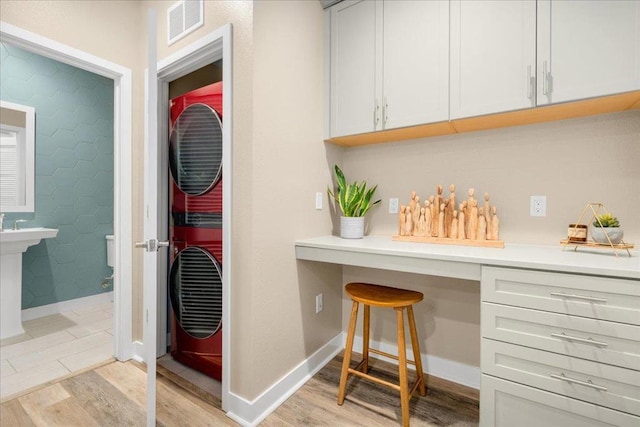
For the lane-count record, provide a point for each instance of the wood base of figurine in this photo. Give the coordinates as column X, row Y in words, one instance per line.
column 448, row 241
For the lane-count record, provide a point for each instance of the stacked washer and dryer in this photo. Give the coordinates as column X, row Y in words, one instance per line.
column 195, row 229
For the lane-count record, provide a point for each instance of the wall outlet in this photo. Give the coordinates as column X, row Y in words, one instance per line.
column 538, row 206
column 319, row 200
column 318, row 303
column 393, row 205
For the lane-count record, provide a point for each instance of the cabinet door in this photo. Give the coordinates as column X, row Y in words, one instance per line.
column 416, row 62
column 355, row 108
column 587, row 49
column 493, row 52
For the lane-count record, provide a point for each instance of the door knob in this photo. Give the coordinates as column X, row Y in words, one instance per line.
column 152, row 245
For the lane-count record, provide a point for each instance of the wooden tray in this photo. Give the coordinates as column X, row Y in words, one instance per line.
column 448, row 241
column 591, row 244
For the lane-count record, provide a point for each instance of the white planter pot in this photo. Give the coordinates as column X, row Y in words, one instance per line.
column 351, row 227
column 615, row 234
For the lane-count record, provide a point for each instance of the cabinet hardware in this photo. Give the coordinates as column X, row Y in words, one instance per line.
column 385, row 113
column 582, row 340
column 584, row 297
column 545, row 79
column 376, row 116
column 531, row 84
column 588, row 383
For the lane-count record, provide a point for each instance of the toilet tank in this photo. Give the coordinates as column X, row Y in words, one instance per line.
column 111, row 250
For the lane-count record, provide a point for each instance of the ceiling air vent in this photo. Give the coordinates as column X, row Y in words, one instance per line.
column 184, row 17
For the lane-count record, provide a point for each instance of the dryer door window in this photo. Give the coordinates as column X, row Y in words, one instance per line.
column 195, row 287
column 195, row 149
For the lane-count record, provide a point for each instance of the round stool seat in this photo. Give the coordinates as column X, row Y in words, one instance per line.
column 382, row 296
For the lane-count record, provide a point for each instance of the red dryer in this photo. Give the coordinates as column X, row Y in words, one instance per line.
column 195, row 229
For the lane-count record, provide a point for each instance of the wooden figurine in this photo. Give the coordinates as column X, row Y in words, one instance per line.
column 416, row 213
column 401, row 220
column 482, row 225
column 454, row 225
column 408, row 224
column 464, row 218
column 427, row 218
column 420, row 230
column 461, row 221
column 473, row 219
column 448, row 214
column 412, row 202
column 441, row 221
column 495, row 225
column 487, row 213
column 433, row 231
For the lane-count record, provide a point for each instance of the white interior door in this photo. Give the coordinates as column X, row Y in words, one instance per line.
column 150, row 243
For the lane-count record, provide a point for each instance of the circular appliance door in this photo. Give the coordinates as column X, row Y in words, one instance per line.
column 195, row 287
column 195, row 149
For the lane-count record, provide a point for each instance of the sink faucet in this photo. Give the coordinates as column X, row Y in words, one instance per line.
column 16, row 224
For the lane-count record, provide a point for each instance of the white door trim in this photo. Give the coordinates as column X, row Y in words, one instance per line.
column 122, row 218
column 204, row 51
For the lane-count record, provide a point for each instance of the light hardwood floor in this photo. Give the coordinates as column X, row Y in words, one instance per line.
column 54, row 347
column 114, row 395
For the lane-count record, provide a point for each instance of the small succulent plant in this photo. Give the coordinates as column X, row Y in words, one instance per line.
column 606, row 220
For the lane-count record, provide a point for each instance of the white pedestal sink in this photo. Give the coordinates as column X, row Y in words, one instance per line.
column 12, row 244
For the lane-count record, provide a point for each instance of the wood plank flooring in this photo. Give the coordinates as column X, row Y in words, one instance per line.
column 114, row 395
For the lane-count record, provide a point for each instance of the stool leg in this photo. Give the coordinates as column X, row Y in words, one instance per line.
column 416, row 350
column 365, row 338
column 347, row 353
column 402, row 368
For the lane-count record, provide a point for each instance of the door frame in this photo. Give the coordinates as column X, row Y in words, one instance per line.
column 204, row 51
column 122, row 168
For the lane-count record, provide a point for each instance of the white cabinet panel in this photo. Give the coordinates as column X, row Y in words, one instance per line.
column 416, row 62
column 587, row 48
column 607, row 342
column 493, row 56
column 587, row 296
column 605, row 385
column 508, row 404
column 353, row 68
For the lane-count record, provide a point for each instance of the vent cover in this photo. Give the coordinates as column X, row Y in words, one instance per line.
column 184, row 17
column 195, row 283
column 195, row 149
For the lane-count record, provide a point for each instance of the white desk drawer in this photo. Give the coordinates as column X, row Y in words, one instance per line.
column 605, row 385
column 605, row 342
column 603, row 298
column 508, row 404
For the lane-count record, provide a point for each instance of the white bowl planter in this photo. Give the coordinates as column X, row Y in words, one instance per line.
column 599, row 235
column 351, row 227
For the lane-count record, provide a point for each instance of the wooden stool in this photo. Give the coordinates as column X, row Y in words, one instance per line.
column 398, row 299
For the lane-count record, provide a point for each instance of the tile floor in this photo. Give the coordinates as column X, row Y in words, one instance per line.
column 55, row 346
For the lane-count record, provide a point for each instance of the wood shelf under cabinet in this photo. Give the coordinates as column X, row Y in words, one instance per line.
column 589, row 107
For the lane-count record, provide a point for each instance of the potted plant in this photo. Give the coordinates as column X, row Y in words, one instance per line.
column 354, row 200
column 606, row 230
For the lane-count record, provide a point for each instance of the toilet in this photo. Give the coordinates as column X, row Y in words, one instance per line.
column 111, row 250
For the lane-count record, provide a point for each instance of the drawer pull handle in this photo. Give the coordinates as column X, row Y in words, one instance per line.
column 584, row 297
column 588, row 383
column 583, row 340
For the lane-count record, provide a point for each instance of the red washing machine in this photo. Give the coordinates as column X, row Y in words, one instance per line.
column 195, row 230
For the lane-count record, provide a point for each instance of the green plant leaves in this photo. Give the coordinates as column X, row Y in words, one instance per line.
column 606, row 220
column 354, row 199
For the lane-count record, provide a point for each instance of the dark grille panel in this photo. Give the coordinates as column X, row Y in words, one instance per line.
column 195, row 149
column 196, row 292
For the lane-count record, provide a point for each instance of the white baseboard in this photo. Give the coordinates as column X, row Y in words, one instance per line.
column 251, row 413
column 446, row 369
column 64, row 306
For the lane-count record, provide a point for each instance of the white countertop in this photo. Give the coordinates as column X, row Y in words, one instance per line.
column 465, row 261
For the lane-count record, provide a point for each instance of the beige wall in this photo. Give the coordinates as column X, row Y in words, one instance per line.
column 572, row 162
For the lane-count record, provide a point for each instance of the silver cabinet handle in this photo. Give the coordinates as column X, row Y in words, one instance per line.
column 545, row 79
column 376, row 116
column 583, row 340
column 575, row 296
column 563, row 377
column 151, row 245
column 531, row 84
column 385, row 113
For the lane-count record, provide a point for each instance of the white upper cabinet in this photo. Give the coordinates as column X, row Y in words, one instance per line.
column 416, row 63
column 353, row 68
column 587, row 49
column 389, row 64
column 493, row 56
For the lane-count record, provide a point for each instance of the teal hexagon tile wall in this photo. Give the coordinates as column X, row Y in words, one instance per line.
column 74, row 174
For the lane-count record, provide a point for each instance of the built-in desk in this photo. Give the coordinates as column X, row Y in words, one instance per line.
column 560, row 329
column 463, row 262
